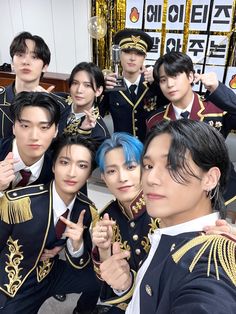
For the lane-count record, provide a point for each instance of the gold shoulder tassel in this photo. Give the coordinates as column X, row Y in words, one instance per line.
column 221, row 250
column 15, row 211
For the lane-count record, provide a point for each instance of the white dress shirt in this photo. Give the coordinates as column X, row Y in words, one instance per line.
column 59, row 208
column 189, row 226
column 128, row 83
column 178, row 110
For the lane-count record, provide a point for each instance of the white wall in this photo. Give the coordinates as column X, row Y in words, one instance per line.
column 61, row 23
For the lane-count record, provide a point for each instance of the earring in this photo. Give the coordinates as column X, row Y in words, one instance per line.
column 214, row 193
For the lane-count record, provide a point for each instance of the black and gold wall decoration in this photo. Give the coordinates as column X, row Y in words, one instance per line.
column 204, row 29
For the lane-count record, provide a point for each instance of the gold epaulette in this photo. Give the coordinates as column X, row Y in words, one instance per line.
column 15, row 211
column 221, row 250
column 15, row 204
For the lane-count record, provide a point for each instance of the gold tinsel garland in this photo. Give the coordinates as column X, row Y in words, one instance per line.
column 114, row 12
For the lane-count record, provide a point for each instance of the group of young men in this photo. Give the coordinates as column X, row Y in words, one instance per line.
column 42, row 209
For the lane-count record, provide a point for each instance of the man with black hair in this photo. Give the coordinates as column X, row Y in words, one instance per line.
column 131, row 107
column 35, row 118
column 30, row 59
column 175, row 74
column 37, row 218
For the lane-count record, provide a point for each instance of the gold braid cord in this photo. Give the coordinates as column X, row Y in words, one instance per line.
column 222, row 252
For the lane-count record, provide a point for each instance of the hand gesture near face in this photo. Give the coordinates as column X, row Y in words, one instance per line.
column 209, row 80
column 148, row 74
column 89, row 121
column 115, row 270
column 102, row 236
column 7, row 171
column 74, row 231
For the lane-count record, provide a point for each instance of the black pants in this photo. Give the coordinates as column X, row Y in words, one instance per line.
column 63, row 279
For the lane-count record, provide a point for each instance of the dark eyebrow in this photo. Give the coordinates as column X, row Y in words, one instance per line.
column 68, row 158
column 28, row 121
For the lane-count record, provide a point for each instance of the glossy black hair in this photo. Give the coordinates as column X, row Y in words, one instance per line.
column 174, row 63
column 95, row 74
column 67, row 140
column 35, row 99
column 42, row 51
column 206, row 146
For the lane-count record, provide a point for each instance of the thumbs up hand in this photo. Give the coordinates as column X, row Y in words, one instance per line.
column 115, row 270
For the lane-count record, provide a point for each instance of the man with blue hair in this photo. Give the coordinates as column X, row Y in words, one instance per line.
column 124, row 219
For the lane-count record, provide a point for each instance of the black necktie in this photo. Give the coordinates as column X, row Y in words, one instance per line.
column 25, row 178
column 184, row 114
column 60, row 226
column 132, row 89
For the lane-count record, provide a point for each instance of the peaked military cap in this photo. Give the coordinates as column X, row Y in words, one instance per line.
column 129, row 39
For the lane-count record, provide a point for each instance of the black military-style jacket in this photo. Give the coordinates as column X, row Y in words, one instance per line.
column 7, row 95
column 27, row 228
column 129, row 116
column 223, row 118
column 132, row 234
column 72, row 125
column 185, row 276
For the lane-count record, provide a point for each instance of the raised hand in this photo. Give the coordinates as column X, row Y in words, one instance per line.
column 209, row 80
column 115, row 270
column 110, row 80
column 7, row 171
column 102, row 236
column 89, row 121
column 39, row 88
column 148, row 74
column 74, row 231
column 221, row 226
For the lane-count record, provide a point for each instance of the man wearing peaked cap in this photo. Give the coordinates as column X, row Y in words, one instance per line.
column 139, row 100
column 129, row 39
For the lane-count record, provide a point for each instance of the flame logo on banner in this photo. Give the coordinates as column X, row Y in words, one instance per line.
column 232, row 82
column 134, row 15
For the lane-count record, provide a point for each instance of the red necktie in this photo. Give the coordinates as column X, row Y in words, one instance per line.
column 25, row 178
column 60, row 226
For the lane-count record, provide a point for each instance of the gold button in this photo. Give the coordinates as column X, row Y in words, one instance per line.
column 41, row 187
column 14, row 194
column 137, row 251
column 135, row 237
column 132, row 224
column 135, row 120
column 172, row 247
column 136, row 129
column 81, row 261
column 135, row 111
column 148, row 290
column 117, row 104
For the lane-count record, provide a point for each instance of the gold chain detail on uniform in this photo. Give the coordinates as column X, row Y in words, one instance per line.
column 44, row 269
column 12, row 269
column 221, row 250
column 138, row 205
column 116, row 237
